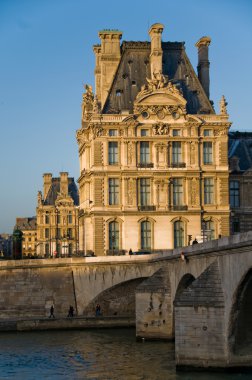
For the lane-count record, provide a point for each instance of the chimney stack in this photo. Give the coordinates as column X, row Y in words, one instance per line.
column 203, row 63
column 108, row 56
column 64, row 183
column 155, row 33
column 47, row 183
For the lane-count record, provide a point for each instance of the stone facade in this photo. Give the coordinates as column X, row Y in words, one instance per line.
column 29, row 228
column 57, row 217
column 153, row 153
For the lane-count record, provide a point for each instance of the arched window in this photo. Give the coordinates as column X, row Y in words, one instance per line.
column 208, row 230
column 114, row 235
column 145, row 235
column 179, row 234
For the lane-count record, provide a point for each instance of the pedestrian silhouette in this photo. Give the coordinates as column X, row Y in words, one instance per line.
column 52, row 312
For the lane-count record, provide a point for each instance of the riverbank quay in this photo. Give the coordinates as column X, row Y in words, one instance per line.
column 74, row 323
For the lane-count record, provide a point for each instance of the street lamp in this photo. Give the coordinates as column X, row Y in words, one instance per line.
column 84, row 225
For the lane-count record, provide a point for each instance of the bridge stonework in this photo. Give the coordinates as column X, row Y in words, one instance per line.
column 202, row 298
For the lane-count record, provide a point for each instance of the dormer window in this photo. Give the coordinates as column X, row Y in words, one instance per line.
column 118, row 92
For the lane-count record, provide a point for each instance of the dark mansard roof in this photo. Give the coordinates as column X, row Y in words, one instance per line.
column 134, row 68
column 55, row 190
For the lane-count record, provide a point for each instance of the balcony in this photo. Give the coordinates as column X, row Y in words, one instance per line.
column 146, row 208
column 145, row 165
column 179, row 208
column 177, row 165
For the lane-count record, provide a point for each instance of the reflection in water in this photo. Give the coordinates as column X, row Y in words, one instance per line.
column 93, row 354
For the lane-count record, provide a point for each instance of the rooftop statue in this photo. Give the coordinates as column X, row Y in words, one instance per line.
column 87, row 101
column 223, row 106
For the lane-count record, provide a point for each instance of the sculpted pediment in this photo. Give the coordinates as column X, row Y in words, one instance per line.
column 162, row 97
column 63, row 200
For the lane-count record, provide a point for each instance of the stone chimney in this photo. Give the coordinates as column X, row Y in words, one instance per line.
column 156, row 54
column 47, row 183
column 97, row 51
column 107, row 60
column 203, row 63
column 64, row 183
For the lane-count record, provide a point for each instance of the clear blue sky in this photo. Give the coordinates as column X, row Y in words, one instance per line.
column 46, row 56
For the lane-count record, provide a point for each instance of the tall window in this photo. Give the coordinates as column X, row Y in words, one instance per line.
column 47, row 233
column 70, row 248
column 58, row 218
column 114, row 236
column 178, row 191
column 208, row 191
column 47, row 218
column 113, row 191
column 207, row 152
column 70, row 218
column 179, row 234
column 146, row 235
column 234, row 193
column 145, row 191
column 208, row 230
column 113, row 153
column 176, row 152
column 70, row 233
column 144, row 152
column 47, row 249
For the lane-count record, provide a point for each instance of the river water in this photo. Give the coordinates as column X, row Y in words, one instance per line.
column 91, row 354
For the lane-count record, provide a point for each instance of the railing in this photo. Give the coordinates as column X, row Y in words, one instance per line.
column 145, row 165
column 177, row 165
column 146, row 208
column 179, row 208
column 115, row 252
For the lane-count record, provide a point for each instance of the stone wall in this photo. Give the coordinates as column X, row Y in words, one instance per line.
column 31, row 292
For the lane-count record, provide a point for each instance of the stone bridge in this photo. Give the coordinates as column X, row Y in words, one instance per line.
column 203, row 300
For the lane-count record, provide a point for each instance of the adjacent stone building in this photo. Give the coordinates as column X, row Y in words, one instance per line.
column 57, row 216
column 240, row 194
column 153, row 152
column 29, row 228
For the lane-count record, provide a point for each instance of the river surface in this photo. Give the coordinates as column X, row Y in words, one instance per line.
column 92, row 354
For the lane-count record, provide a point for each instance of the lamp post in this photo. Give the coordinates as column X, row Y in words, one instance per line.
column 84, row 226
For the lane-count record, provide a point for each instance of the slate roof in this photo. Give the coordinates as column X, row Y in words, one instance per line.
column 24, row 224
column 240, row 145
column 134, row 68
column 55, row 189
column 206, row 290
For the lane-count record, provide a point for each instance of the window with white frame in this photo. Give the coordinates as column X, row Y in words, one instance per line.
column 207, row 152
column 176, row 152
column 208, row 191
column 234, row 193
column 145, row 191
column 145, row 235
column 178, row 191
column 113, row 153
column 113, row 191
column 144, row 152
column 179, row 234
column 113, row 235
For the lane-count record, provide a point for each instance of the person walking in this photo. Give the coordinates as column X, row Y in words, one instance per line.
column 52, row 312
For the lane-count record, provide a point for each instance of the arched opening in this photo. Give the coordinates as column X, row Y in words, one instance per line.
column 119, row 300
column 179, row 234
column 240, row 337
column 145, row 235
column 185, row 281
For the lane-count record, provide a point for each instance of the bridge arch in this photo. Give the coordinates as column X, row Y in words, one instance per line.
column 117, row 300
column 240, row 327
column 183, row 284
